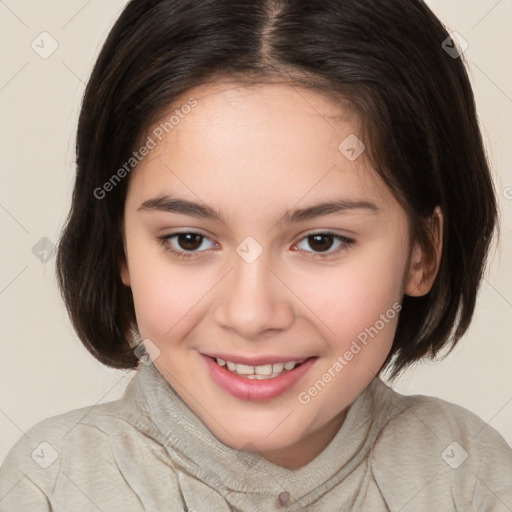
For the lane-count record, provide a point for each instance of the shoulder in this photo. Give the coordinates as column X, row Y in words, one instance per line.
column 29, row 470
column 422, row 415
column 42, row 445
column 437, row 448
column 64, row 448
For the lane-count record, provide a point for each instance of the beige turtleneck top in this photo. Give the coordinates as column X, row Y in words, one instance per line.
column 149, row 452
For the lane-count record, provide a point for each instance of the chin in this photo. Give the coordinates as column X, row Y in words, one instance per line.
column 261, row 441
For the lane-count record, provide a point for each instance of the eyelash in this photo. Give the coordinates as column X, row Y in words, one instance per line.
column 346, row 243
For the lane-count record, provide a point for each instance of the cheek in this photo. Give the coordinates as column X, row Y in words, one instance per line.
column 163, row 294
column 350, row 298
column 359, row 289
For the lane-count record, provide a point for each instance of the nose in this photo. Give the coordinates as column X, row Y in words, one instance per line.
column 254, row 301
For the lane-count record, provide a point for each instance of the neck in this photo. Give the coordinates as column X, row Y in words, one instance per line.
column 304, row 451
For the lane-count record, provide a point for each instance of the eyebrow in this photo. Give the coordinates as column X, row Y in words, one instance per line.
column 175, row 205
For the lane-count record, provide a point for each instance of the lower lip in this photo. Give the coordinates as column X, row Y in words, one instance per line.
column 254, row 389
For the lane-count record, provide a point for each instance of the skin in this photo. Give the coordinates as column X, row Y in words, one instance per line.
column 253, row 153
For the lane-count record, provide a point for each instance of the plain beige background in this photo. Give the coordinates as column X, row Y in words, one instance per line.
column 44, row 370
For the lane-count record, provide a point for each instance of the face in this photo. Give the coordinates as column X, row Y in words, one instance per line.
column 231, row 257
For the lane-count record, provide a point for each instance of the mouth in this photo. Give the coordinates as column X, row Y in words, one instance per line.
column 260, row 372
column 258, row 382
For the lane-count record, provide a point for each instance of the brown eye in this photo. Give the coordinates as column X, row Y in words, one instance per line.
column 320, row 242
column 319, row 245
column 189, row 241
column 186, row 244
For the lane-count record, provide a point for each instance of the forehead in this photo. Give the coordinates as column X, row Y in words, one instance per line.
column 233, row 108
column 256, row 140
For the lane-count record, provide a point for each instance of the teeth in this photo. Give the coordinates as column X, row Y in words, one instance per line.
column 243, row 369
column 266, row 371
column 278, row 367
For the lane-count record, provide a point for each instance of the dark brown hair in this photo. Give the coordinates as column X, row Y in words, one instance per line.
column 385, row 57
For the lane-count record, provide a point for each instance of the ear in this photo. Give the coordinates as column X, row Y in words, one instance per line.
column 125, row 274
column 423, row 268
column 123, row 265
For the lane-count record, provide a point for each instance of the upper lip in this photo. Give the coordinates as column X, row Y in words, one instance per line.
column 257, row 361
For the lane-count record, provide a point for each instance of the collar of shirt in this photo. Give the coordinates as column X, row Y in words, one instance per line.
column 153, row 406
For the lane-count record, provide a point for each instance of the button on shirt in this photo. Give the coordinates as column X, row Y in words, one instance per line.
column 149, row 452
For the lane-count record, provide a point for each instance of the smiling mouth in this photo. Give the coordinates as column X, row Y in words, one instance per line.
column 261, row 382
column 263, row 372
